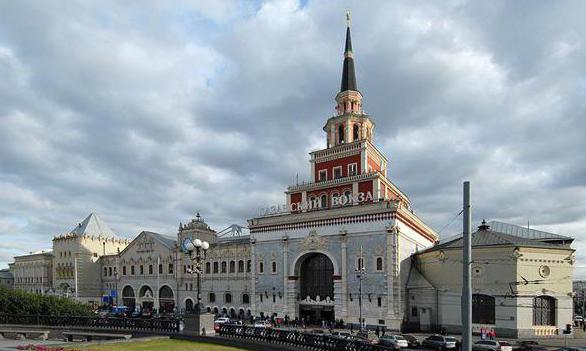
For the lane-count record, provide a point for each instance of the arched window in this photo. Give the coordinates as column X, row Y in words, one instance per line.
column 228, row 298
column 544, row 310
column 110, row 271
column 274, row 267
column 245, row 298
column 232, row 267
column 355, row 130
column 379, row 264
column 208, row 267
column 341, row 134
column 224, row 266
column 261, row 267
column 248, row 265
column 323, row 201
column 483, row 309
column 240, row 266
column 215, row 267
column 212, row 297
column 105, row 271
column 150, row 269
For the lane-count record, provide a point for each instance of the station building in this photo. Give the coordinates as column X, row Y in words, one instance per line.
column 346, row 245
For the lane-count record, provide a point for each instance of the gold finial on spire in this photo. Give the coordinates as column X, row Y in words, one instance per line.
column 348, row 18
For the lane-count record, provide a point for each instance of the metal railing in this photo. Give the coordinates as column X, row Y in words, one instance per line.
column 296, row 338
column 168, row 325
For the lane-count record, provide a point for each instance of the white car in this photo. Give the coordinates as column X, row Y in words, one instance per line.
column 393, row 340
column 262, row 324
column 222, row 320
column 491, row 345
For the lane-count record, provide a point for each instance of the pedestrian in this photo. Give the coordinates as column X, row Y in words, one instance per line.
column 482, row 333
column 377, row 332
column 384, row 330
column 458, row 345
column 584, row 327
column 351, row 328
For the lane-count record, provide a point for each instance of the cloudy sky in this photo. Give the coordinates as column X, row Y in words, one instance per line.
column 146, row 114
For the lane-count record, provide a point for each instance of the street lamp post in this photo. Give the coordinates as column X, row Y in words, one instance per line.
column 360, row 273
column 197, row 250
column 116, row 285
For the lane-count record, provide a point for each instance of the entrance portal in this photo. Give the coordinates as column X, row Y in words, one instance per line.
column 317, row 289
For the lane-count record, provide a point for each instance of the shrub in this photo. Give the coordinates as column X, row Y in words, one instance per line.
column 20, row 302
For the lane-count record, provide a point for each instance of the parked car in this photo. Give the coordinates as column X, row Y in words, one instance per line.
column 222, row 320
column 412, row 341
column 571, row 349
column 263, row 324
column 439, row 342
column 579, row 319
column 491, row 345
column 393, row 340
column 529, row 345
column 317, row 331
column 342, row 335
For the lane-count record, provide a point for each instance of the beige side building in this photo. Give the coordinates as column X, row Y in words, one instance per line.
column 33, row 272
column 521, row 281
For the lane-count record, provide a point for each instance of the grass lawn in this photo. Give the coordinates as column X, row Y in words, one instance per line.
column 156, row 345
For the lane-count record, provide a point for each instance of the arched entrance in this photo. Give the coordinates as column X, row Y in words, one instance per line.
column 166, row 299
column 189, row 305
column 128, row 297
column 316, row 288
column 146, row 298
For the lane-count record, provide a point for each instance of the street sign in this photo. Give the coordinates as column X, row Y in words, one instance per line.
column 113, row 293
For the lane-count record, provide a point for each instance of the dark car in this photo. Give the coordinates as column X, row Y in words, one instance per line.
column 412, row 341
column 440, row 342
column 571, row 349
column 529, row 345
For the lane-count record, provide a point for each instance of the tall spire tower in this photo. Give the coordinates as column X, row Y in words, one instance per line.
column 350, row 123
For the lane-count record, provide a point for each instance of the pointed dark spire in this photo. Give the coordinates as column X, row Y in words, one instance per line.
column 348, row 74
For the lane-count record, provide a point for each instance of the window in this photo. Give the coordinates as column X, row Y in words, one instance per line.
column 245, row 299
column 110, row 271
column 131, row 270
column 240, row 266
column 105, row 271
column 341, row 134
column 224, row 267
column 274, row 298
column 141, row 269
column 212, row 297
column 322, row 175
column 248, row 265
column 228, row 298
column 261, row 267
column 208, row 267
column 170, row 268
column 323, row 201
column 379, row 264
column 355, row 130
column 190, row 286
column 150, row 269
column 184, row 269
column 414, row 311
column 232, row 267
column 260, row 297
column 337, row 172
column 215, row 267
column 379, row 301
column 359, row 263
column 123, row 270
column 483, row 311
column 274, row 267
column 544, row 310
column 160, row 268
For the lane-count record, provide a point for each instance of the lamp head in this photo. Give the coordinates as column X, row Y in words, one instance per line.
column 205, row 245
column 197, row 243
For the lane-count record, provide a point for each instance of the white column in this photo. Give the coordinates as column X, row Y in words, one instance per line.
column 344, row 274
column 285, row 266
column 253, row 274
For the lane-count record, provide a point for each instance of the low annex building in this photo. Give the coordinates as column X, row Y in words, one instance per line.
column 521, row 283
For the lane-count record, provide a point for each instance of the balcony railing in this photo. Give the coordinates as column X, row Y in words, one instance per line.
column 327, row 183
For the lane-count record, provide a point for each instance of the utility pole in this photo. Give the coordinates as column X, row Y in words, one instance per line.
column 466, row 270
